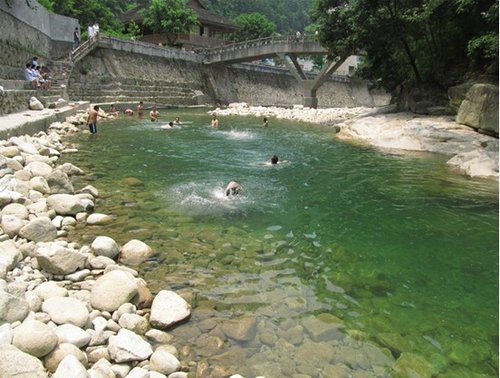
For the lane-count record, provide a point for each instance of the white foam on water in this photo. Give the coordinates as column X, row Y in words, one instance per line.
column 237, row 134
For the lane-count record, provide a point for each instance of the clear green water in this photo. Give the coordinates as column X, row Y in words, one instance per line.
column 399, row 247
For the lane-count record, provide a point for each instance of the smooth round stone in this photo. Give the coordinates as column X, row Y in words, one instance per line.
column 69, row 333
column 34, row 338
column 66, row 311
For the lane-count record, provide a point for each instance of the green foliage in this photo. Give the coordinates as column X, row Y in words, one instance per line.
column 288, row 15
column 429, row 41
column 171, row 17
column 253, row 26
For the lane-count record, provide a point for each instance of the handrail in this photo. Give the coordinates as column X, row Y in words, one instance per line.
column 256, row 43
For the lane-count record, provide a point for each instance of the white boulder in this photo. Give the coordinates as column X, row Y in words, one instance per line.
column 66, row 310
column 105, row 246
column 35, row 338
column 112, row 290
column 126, row 346
column 134, row 252
column 167, row 309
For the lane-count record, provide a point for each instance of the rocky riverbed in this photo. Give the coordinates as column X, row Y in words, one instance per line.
column 70, row 310
column 471, row 153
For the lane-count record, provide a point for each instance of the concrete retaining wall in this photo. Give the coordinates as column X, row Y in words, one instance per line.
column 219, row 83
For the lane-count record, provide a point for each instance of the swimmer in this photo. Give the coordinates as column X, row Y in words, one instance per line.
column 140, row 108
column 233, row 188
column 129, row 112
column 177, row 121
column 274, row 160
column 112, row 111
column 215, row 121
column 154, row 114
column 169, row 126
column 265, row 122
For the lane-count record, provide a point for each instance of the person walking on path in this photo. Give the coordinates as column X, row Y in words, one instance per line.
column 76, row 38
column 92, row 119
column 91, row 32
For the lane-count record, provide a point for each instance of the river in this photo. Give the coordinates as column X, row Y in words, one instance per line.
column 395, row 247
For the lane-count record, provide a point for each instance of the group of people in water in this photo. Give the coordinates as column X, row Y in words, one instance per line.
column 232, row 188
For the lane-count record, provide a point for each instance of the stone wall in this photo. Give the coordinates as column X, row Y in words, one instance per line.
column 26, row 32
column 108, row 68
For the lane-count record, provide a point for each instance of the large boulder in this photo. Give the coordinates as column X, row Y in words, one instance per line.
column 65, row 204
column 167, row 309
column 479, row 109
column 56, row 259
column 16, row 363
column 17, row 210
column 112, row 290
column 35, row 338
column 39, row 230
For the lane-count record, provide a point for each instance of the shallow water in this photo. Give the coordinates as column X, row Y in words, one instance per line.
column 400, row 248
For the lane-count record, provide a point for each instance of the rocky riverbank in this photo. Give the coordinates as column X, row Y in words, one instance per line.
column 70, row 310
column 471, row 153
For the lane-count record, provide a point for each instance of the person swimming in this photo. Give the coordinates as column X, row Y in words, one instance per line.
column 274, row 160
column 233, row 188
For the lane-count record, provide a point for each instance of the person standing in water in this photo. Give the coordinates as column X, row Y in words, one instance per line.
column 92, row 119
column 215, row 121
column 140, row 109
column 265, row 122
column 154, row 114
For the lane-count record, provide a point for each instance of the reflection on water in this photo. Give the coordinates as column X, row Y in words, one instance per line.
column 342, row 261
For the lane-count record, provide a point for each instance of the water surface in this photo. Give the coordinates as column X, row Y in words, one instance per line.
column 401, row 249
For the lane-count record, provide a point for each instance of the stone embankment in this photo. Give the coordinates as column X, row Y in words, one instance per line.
column 471, row 153
column 70, row 310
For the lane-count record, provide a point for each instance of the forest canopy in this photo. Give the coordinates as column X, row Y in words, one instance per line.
column 433, row 42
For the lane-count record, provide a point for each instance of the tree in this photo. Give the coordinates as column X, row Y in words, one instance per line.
column 171, row 17
column 253, row 26
column 411, row 41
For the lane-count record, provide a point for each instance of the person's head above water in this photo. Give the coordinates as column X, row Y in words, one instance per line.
column 274, row 159
column 233, row 188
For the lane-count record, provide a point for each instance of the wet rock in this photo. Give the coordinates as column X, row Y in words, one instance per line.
column 34, row 338
column 164, row 362
column 242, row 329
column 112, row 290
column 66, row 310
column 101, row 262
column 167, row 309
column 105, row 246
column 412, row 365
column 131, row 181
column 71, row 170
column 324, row 327
column 127, row 346
column 134, row 252
column 311, row 354
column 16, row 363
column 143, row 298
column 89, row 189
column 159, row 337
column 97, row 219
column 39, row 230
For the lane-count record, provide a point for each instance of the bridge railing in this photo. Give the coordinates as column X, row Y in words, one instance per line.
column 255, row 43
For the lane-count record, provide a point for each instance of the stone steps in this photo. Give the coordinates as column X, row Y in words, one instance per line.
column 184, row 101
column 15, row 84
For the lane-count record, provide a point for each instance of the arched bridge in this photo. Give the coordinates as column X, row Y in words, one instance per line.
column 286, row 48
column 263, row 48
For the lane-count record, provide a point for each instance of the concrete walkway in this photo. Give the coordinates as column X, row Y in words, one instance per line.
column 33, row 121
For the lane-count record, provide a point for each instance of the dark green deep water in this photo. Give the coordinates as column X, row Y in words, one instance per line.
column 398, row 246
